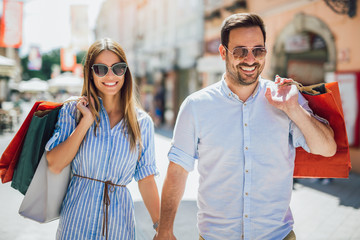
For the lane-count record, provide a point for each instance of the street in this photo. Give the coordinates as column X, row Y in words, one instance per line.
column 330, row 212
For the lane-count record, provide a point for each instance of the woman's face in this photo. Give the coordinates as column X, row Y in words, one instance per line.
column 110, row 84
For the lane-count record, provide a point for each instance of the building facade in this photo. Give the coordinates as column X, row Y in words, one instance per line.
column 162, row 40
column 315, row 41
column 172, row 48
column 9, row 71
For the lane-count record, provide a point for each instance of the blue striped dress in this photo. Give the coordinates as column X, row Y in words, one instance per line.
column 105, row 157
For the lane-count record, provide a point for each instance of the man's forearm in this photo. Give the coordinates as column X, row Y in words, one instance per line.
column 172, row 192
column 318, row 136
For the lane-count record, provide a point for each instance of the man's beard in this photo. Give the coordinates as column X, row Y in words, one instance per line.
column 236, row 73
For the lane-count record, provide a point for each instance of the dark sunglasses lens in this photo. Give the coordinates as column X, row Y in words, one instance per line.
column 240, row 52
column 259, row 52
column 100, row 70
column 119, row 69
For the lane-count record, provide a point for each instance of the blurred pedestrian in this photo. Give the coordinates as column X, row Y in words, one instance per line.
column 243, row 130
column 159, row 104
column 112, row 144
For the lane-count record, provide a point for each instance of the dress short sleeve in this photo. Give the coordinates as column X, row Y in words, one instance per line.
column 146, row 165
column 65, row 125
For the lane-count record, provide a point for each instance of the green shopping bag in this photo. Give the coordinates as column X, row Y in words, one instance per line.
column 39, row 132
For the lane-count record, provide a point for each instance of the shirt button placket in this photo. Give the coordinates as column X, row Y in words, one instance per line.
column 247, row 165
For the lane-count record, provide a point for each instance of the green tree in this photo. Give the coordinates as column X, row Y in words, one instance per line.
column 80, row 57
column 48, row 60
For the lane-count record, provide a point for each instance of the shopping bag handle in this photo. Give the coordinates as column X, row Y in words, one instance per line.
column 315, row 89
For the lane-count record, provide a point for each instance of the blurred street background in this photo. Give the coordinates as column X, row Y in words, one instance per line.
column 172, row 51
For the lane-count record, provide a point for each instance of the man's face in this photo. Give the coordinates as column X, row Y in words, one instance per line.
column 244, row 71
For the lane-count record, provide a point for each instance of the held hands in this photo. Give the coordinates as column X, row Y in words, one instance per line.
column 164, row 237
column 284, row 96
column 82, row 106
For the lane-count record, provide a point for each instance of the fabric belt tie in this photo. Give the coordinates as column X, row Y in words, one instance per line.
column 109, row 186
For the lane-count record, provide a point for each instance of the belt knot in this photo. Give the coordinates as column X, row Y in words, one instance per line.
column 108, row 187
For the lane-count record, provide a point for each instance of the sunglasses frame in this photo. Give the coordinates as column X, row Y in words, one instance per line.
column 112, row 67
column 248, row 50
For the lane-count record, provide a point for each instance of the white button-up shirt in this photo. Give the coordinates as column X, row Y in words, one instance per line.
column 245, row 153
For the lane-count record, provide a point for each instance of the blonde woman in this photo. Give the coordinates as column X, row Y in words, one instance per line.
column 111, row 144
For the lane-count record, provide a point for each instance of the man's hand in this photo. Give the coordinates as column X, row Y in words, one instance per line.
column 285, row 96
column 173, row 190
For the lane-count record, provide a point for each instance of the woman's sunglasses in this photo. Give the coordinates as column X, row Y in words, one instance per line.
column 240, row 53
column 101, row 70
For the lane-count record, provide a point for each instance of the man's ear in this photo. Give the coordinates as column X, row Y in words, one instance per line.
column 222, row 51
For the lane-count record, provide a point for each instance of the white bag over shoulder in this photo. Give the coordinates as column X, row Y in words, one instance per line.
column 43, row 199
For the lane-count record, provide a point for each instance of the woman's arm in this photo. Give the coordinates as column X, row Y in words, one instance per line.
column 150, row 195
column 62, row 155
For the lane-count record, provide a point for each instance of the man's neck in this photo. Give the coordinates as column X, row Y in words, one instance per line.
column 242, row 91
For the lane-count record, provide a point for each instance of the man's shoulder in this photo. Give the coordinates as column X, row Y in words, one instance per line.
column 206, row 94
column 266, row 82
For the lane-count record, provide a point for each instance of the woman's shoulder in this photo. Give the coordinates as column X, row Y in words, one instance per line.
column 143, row 117
column 69, row 105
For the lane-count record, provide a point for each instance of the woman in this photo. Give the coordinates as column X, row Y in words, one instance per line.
column 112, row 143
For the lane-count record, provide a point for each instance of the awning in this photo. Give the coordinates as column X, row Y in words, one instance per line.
column 67, row 82
column 33, row 85
column 7, row 66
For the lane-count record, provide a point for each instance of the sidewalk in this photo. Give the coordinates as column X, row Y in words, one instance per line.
column 330, row 212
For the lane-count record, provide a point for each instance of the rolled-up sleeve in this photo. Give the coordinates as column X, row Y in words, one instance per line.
column 184, row 143
column 146, row 165
column 65, row 125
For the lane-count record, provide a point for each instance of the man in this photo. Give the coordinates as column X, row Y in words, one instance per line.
column 243, row 131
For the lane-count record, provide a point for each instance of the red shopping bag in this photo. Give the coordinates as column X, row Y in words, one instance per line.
column 10, row 156
column 325, row 101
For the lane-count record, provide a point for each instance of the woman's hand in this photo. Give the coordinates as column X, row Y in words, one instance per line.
column 82, row 105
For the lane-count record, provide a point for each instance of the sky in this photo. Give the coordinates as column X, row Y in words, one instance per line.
column 46, row 23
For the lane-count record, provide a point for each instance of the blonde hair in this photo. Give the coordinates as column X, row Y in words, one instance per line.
column 128, row 99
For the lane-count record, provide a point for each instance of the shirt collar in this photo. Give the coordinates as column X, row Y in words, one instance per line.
column 229, row 94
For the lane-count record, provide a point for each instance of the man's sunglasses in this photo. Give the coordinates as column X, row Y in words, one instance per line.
column 101, row 70
column 240, row 53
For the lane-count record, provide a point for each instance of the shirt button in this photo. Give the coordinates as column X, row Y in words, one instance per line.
column 244, row 104
column 246, row 215
column 246, row 148
column 245, row 124
column 246, row 171
column 247, row 194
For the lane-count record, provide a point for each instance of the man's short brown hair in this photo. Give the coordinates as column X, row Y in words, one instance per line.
column 240, row 20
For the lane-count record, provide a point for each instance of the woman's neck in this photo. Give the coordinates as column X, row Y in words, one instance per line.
column 113, row 107
column 111, row 103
